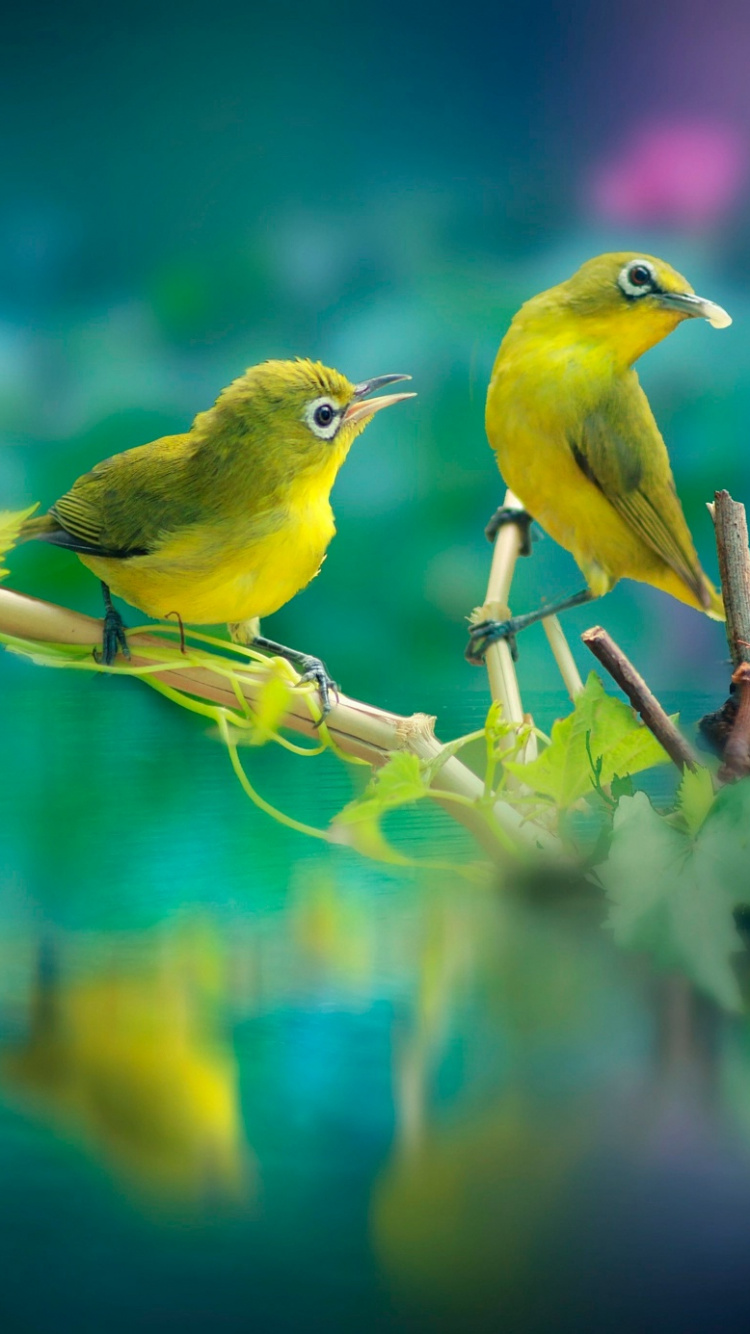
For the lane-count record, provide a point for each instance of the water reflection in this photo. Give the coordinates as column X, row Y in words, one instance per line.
column 462, row 1209
column 575, row 1178
column 467, row 1109
column 128, row 1056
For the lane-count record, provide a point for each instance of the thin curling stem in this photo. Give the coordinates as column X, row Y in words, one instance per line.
column 647, row 705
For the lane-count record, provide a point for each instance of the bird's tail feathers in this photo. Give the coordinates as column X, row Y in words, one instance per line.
column 13, row 525
column 31, row 528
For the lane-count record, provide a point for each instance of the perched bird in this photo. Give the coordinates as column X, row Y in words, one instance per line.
column 576, row 439
column 228, row 521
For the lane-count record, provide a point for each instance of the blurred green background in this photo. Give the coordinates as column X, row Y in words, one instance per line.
column 246, row 1083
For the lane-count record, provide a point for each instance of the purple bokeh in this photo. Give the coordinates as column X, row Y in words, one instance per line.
column 685, row 173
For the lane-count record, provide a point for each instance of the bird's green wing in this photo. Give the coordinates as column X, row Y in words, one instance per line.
column 620, row 449
column 127, row 504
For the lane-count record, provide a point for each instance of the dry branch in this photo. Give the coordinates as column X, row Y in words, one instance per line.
column 647, row 705
column 737, row 749
column 734, row 567
column 729, row 728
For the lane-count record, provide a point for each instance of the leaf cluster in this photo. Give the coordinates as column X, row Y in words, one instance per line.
column 674, row 885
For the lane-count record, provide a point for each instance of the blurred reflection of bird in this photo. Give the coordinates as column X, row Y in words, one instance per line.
column 228, row 521
column 577, row 442
column 132, row 1061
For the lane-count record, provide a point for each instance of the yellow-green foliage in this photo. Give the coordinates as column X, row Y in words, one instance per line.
column 600, row 740
column 11, row 523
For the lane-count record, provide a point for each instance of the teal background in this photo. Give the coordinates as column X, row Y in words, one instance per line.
column 246, row 1083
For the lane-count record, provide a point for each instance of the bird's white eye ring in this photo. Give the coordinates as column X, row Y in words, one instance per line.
column 323, row 416
column 637, row 279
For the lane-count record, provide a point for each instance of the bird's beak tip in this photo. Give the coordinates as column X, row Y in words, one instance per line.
column 721, row 319
column 364, row 408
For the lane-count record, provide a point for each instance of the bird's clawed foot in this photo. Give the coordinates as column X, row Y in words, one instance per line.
column 485, row 633
column 313, row 669
column 309, row 668
column 510, row 514
column 114, row 637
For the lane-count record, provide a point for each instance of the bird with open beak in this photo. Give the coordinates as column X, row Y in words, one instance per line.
column 229, row 520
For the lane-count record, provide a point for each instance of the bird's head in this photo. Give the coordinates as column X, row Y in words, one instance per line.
column 633, row 301
column 300, row 415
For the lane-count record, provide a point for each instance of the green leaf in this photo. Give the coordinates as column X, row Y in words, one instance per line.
column 674, row 896
column 271, row 706
column 695, row 797
column 432, row 768
column 725, row 837
column 621, row 787
column 399, row 783
column 368, row 839
column 496, row 729
column 11, row 522
column 564, row 770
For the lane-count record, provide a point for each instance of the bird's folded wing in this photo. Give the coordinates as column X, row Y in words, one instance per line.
column 126, row 505
column 619, row 448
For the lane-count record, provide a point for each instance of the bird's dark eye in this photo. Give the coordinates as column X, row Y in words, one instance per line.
column 323, row 415
column 640, row 276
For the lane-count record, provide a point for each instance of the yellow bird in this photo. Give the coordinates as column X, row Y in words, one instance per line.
column 229, row 520
column 576, row 439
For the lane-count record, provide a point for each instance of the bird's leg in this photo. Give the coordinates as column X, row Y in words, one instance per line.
column 485, row 633
column 511, row 514
column 113, row 635
column 309, row 668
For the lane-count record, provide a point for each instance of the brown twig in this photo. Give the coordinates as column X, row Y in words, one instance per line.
column 737, row 749
column 728, row 730
column 647, row 705
column 730, row 523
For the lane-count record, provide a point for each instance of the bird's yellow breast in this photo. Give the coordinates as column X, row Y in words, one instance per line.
column 541, row 391
column 213, row 573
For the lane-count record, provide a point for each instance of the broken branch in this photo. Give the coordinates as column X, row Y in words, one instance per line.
column 647, row 705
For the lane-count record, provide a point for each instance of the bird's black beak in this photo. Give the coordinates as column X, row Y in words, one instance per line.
column 687, row 303
column 362, row 407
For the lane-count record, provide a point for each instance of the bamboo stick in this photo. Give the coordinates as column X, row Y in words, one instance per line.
column 357, row 728
column 498, row 658
column 563, row 656
column 501, row 671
